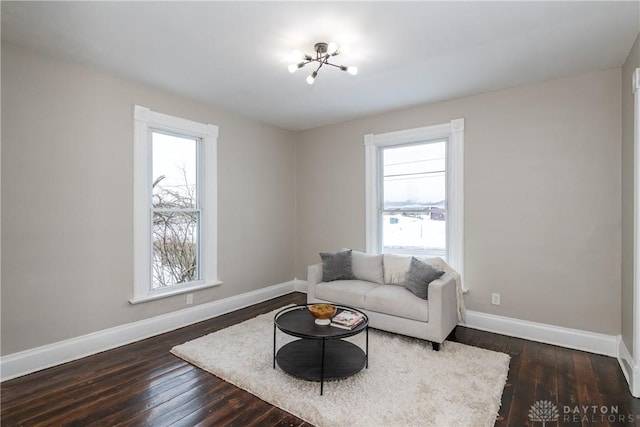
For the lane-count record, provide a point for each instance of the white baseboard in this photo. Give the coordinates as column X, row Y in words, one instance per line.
column 608, row 345
column 629, row 368
column 301, row 285
column 35, row 359
column 32, row 360
column 556, row 335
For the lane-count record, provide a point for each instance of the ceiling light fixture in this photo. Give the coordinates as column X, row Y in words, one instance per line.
column 324, row 51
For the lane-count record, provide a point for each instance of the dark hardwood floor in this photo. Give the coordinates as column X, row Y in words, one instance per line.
column 142, row 384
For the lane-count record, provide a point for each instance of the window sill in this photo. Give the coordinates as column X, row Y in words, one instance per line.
column 154, row 295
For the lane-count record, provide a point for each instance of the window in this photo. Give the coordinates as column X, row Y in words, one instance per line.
column 413, row 199
column 175, row 206
column 414, row 192
column 175, row 202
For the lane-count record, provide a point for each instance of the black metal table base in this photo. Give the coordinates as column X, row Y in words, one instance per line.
column 304, row 359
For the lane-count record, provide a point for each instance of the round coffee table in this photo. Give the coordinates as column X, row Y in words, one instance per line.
column 321, row 353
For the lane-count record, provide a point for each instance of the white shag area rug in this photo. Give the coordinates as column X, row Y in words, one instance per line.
column 406, row 384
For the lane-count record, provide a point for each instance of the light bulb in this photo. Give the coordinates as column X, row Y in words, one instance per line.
column 293, row 68
column 312, row 78
column 332, row 48
column 352, row 70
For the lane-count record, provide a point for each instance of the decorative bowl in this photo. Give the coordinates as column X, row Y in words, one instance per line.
column 323, row 313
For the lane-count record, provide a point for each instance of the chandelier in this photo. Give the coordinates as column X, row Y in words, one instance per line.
column 324, row 51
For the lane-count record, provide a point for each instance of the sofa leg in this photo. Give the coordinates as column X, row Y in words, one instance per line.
column 435, row 346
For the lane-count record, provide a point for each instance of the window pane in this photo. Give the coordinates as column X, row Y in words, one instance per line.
column 414, row 176
column 174, row 171
column 414, row 199
column 175, row 248
column 417, row 234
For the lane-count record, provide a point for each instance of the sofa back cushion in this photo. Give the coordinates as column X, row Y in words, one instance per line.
column 367, row 267
column 396, row 268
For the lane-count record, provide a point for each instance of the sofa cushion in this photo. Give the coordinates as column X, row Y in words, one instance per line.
column 367, row 267
column 346, row 292
column 396, row 268
column 336, row 266
column 397, row 301
column 419, row 276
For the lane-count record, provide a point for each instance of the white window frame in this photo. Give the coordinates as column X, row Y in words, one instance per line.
column 453, row 132
column 145, row 122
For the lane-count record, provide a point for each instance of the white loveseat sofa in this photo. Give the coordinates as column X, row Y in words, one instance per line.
column 377, row 289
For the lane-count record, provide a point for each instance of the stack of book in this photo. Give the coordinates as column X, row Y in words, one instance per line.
column 347, row 319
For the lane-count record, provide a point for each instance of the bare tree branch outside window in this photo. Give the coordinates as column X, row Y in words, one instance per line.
column 174, row 232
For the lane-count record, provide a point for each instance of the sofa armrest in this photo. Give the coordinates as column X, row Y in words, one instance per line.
column 314, row 276
column 443, row 305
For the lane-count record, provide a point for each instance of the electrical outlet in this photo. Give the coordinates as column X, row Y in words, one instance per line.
column 189, row 299
column 495, row 299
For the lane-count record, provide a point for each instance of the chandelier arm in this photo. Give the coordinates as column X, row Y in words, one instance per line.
column 305, row 62
column 342, row 67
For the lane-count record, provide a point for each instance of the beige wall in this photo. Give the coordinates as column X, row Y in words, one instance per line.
column 542, row 177
column 542, row 196
column 67, row 176
column 628, row 155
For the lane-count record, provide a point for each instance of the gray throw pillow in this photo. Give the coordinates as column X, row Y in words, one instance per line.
column 336, row 266
column 419, row 276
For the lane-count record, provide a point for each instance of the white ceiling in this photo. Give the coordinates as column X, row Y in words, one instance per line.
column 234, row 55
